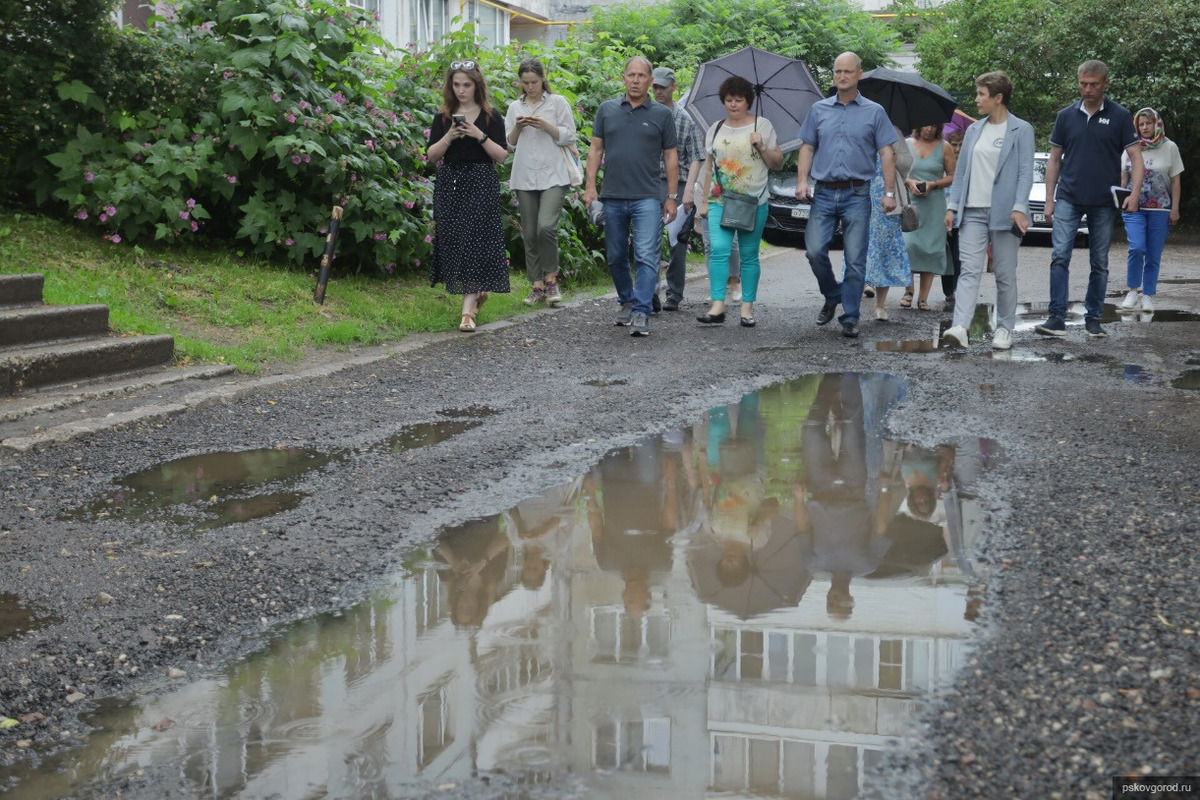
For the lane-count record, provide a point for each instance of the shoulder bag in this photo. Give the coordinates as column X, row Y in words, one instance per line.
column 739, row 212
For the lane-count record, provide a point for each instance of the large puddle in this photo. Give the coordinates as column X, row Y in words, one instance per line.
column 754, row 606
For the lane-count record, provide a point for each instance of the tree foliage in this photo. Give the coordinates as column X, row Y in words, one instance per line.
column 682, row 34
column 1150, row 52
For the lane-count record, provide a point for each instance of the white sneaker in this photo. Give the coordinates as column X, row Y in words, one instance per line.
column 735, row 296
column 955, row 336
column 1002, row 339
column 1131, row 299
column 1147, row 303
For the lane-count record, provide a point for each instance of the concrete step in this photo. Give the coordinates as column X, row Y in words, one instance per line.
column 71, row 362
column 23, row 325
column 21, row 289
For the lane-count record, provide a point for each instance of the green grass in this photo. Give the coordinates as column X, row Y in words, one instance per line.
column 224, row 309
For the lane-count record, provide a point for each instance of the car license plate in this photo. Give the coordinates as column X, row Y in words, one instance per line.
column 1039, row 218
column 799, row 213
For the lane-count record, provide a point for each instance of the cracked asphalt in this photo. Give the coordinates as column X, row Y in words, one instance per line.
column 1085, row 665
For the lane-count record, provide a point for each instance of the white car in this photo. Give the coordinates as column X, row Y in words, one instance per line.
column 1037, row 201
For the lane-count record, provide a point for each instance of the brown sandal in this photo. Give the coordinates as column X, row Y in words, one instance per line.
column 467, row 325
column 923, row 305
column 906, row 301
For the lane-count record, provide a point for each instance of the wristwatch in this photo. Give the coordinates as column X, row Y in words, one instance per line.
column 672, row 197
column 889, row 194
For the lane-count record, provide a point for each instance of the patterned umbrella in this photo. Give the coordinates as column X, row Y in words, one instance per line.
column 784, row 91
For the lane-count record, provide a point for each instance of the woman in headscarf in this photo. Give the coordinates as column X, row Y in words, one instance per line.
column 1158, row 208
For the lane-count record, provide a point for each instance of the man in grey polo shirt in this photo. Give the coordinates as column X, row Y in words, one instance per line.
column 690, row 156
column 841, row 136
column 1084, row 165
column 633, row 135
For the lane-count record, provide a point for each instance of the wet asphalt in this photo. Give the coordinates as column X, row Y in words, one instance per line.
column 1086, row 663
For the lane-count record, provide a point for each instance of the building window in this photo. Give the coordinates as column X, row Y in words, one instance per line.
column 428, row 21
column 435, row 730
column 491, row 24
column 640, row 745
column 366, row 5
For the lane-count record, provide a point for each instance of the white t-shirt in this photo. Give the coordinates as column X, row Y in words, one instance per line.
column 985, row 160
column 1162, row 164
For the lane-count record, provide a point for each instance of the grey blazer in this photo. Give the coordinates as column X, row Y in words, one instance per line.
column 1014, row 173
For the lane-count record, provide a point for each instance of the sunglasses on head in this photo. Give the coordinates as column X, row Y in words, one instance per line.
column 456, row 65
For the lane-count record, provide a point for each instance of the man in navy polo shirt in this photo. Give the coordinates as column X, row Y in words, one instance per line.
column 1085, row 163
column 634, row 135
column 841, row 136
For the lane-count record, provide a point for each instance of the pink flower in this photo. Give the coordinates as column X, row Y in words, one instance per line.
column 428, row 238
column 116, row 238
column 111, row 211
column 370, row 143
column 183, row 215
column 391, row 265
column 379, row 237
column 408, row 204
column 289, row 242
column 275, row 96
column 191, row 203
column 307, row 158
column 290, row 117
column 226, row 75
column 231, row 178
column 426, row 133
column 296, row 159
column 81, row 214
column 417, row 262
column 195, row 226
column 303, row 104
column 87, row 176
column 103, row 217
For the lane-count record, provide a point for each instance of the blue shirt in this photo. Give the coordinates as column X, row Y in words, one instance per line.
column 1092, row 150
column 634, row 141
column 846, row 138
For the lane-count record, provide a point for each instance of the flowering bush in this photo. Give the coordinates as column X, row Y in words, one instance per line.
column 246, row 122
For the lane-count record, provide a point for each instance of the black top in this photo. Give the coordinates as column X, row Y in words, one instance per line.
column 468, row 149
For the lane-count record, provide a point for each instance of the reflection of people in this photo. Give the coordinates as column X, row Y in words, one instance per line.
column 540, row 125
column 1158, row 208
column 831, row 499
column 841, row 136
column 990, row 196
column 467, row 137
column 741, row 149
column 1085, row 163
column 887, row 258
column 536, row 526
column 933, row 171
column 633, row 135
column 476, row 554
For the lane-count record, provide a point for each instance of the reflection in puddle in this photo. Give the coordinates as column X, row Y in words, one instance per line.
column 1031, row 314
column 218, row 487
column 903, row 346
column 16, row 618
column 470, row 412
column 424, row 434
column 752, row 606
column 1190, row 379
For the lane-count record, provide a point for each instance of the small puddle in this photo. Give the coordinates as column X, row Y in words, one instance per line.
column 424, row 434
column 470, row 412
column 16, row 618
column 1031, row 314
column 209, row 490
column 753, row 606
column 903, row 346
column 1190, row 379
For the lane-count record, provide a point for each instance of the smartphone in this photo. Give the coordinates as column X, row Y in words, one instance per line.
column 460, row 119
column 1015, row 230
column 922, row 187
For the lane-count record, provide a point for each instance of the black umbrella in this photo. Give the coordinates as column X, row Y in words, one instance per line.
column 914, row 544
column 911, row 101
column 777, row 577
column 784, row 91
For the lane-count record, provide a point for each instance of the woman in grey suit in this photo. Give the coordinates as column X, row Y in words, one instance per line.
column 990, row 196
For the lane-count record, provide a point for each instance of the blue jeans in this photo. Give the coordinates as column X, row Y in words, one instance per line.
column 1100, row 228
column 1147, row 234
column 645, row 217
column 748, row 243
column 853, row 207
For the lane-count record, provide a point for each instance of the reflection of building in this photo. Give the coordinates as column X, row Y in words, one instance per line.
column 604, row 665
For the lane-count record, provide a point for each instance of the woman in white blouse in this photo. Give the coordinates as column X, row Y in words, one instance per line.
column 541, row 131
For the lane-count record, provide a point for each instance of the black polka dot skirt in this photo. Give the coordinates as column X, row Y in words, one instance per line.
column 468, row 244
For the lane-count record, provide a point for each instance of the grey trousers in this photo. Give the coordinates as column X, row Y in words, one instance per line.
column 540, row 211
column 973, row 239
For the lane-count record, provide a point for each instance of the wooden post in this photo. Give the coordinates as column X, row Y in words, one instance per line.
column 335, row 224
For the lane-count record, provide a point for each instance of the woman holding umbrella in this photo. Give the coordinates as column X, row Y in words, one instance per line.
column 741, row 149
column 989, row 201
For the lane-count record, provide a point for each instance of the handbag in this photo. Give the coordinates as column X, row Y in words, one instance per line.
column 574, row 169
column 739, row 212
column 910, row 220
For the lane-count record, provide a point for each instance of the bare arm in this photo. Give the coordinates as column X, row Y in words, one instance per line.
column 671, row 162
column 1175, row 193
column 803, row 165
column 705, row 187
column 888, row 158
column 689, row 188
column 1137, row 171
column 595, row 154
column 1053, row 167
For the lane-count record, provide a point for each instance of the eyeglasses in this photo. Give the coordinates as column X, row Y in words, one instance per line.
column 457, row 65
